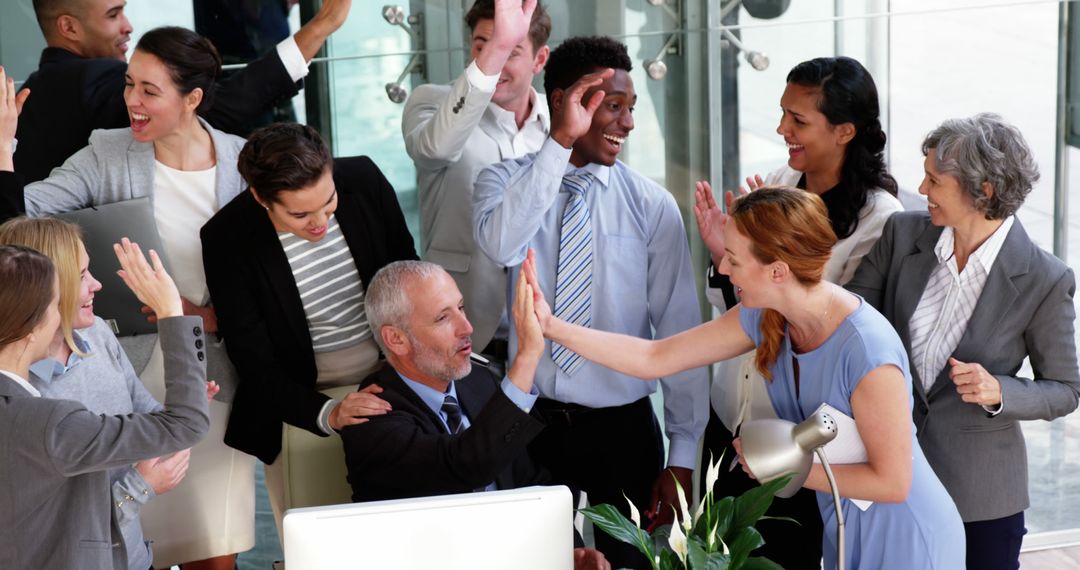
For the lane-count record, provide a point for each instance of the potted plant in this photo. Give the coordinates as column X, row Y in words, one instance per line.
column 719, row 536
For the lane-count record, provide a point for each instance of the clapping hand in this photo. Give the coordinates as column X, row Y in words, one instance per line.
column 710, row 220
column 526, row 321
column 11, row 104
column 149, row 281
column 540, row 305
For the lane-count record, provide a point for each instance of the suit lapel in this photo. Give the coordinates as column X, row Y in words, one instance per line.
column 389, row 379
column 916, row 269
column 11, row 389
column 994, row 302
column 141, row 169
column 355, row 229
column 273, row 262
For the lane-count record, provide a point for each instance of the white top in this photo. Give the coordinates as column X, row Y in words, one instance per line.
column 183, row 202
column 738, row 390
column 943, row 312
column 22, row 382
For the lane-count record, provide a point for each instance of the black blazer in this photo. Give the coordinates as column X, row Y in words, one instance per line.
column 71, row 96
column 260, row 315
column 409, row 453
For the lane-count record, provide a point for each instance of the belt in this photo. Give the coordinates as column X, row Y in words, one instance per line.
column 555, row 412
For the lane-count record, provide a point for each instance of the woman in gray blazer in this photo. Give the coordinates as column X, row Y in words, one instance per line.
column 54, row 485
column 971, row 297
column 188, row 171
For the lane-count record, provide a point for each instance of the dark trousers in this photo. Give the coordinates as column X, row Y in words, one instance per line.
column 995, row 544
column 792, row 546
column 605, row 452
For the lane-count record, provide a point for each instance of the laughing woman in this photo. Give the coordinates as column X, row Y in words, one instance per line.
column 815, row 343
column 188, row 170
column 973, row 297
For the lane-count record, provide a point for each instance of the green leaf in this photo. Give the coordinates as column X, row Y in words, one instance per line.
column 742, row 542
column 760, row 563
column 670, row 561
column 751, row 505
column 719, row 515
column 717, row 561
column 608, row 519
column 695, row 556
column 785, row 519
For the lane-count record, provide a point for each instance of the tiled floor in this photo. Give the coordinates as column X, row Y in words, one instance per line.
column 266, row 549
column 1057, row 559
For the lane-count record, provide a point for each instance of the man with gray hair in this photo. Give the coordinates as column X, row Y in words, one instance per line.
column 453, row 427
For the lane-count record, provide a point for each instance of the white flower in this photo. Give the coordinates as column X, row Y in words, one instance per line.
column 677, row 542
column 684, row 509
column 634, row 514
column 712, row 474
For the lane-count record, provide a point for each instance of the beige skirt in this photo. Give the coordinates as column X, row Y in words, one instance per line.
column 212, row 511
column 310, row 471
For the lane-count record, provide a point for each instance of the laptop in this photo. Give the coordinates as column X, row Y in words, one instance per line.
column 103, row 226
column 523, row 529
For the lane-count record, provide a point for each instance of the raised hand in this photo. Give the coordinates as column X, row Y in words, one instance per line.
column 312, row 35
column 512, row 20
column 150, row 283
column 358, row 406
column 530, row 335
column 710, row 220
column 752, row 183
column 11, row 104
column 572, row 115
column 540, row 305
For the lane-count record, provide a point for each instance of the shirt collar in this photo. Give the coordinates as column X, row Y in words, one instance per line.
column 22, row 382
column 505, row 119
column 48, row 368
column 985, row 254
column 601, row 172
column 432, row 397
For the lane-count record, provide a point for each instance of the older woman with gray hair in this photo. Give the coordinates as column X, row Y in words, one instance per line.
column 972, row 296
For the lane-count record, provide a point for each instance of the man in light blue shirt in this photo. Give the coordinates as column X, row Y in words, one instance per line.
column 602, row 435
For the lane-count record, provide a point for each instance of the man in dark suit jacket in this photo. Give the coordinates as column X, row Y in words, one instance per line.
column 421, row 448
column 79, row 84
column 452, row 427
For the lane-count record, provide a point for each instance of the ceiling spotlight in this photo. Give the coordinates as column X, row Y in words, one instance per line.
column 394, row 15
column 756, row 59
column 655, row 68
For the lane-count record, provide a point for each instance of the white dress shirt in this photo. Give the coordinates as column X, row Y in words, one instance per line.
column 948, row 301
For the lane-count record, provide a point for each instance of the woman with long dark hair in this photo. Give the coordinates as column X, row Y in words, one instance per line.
column 830, row 123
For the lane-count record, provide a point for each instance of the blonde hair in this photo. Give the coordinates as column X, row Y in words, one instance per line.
column 789, row 225
column 59, row 241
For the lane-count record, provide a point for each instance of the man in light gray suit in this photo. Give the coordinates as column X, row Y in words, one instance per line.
column 972, row 296
column 55, row 507
column 452, row 132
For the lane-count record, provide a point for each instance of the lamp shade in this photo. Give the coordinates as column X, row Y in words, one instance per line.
column 773, row 448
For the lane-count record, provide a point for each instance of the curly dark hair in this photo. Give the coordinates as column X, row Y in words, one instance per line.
column 580, row 55
column 848, row 95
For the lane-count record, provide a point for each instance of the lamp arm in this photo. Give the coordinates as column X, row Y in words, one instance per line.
column 840, row 550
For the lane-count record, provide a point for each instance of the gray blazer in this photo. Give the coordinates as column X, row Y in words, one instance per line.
column 451, row 133
column 1025, row 310
column 114, row 168
column 55, row 508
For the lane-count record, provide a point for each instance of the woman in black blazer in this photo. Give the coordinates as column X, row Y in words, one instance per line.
column 298, row 195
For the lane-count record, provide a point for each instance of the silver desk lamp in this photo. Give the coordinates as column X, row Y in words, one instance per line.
column 774, row 448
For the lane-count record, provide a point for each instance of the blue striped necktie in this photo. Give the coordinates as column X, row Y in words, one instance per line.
column 573, row 279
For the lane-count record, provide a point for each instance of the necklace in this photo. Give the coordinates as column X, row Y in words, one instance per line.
column 824, row 324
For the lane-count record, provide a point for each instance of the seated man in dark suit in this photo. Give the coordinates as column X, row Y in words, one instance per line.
column 453, row 427
column 79, row 84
